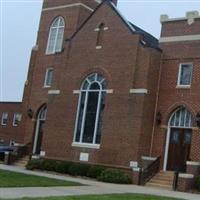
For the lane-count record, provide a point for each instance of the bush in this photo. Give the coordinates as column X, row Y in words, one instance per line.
column 77, row 169
column 62, row 167
column 95, row 171
column 34, row 164
column 114, row 176
column 48, row 165
column 198, row 182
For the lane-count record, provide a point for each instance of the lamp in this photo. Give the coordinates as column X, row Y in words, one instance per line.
column 30, row 113
column 198, row 119
column 158, row 118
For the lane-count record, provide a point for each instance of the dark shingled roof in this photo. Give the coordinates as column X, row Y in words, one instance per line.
column 149, row 39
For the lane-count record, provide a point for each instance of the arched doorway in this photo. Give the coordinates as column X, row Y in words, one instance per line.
column 41, row 117
column 178, row 141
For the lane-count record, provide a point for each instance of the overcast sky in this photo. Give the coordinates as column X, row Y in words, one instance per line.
column 19, row 22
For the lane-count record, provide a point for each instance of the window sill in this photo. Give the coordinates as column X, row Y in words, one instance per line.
column 54, row 53
column 86, row 145
column 183, row 86
column 14, row 125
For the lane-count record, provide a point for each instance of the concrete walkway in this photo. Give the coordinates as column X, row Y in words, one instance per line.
column 92, row 187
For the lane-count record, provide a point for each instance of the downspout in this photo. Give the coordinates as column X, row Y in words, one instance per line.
column 156, row 106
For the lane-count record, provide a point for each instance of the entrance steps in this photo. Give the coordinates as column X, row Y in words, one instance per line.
column 22, row 162
column 162, row 180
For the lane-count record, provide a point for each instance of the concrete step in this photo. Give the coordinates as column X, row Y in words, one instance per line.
column 22, row 162
column 169, row 187
column 162, row 180
column 158, row 177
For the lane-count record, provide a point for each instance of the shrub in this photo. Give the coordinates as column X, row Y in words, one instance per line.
column 34, row 164
column 63, row 167
column 198, row 182
column 48, row 165
column 95, row 171
column 77, row 169
column 114, row 176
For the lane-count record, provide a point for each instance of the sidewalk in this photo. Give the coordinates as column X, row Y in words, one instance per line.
column 92, row 187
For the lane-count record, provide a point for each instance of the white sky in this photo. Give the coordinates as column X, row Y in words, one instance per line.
column 19, row 21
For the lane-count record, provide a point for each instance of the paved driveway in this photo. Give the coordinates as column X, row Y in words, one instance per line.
column 92, row 187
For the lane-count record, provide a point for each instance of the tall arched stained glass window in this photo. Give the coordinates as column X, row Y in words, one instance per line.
column 56, row 34
column 90, row 110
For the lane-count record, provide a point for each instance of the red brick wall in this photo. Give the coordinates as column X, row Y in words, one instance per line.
column 10, row 132
column 123, row 115
column 170, row 97
column 180, row 28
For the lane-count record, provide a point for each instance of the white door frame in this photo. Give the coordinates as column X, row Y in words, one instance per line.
column 167, row 146
column 169, row 127
column 36, row 135
column 43, row 110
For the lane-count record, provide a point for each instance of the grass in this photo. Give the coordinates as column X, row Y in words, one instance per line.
column 13, row 179
column 105, row 197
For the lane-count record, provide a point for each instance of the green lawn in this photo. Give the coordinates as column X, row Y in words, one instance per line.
column 105, row 197
column 13, row 179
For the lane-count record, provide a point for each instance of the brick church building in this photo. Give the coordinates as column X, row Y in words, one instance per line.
column 103, row 91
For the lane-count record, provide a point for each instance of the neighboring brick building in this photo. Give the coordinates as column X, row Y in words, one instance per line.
column 103, row 91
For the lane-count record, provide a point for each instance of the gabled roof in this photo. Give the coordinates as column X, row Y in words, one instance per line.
column 147, row 39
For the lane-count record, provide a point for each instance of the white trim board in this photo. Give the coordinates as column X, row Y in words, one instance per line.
column 109, row 91
column 68, row 6
column 179, row 38
column 54, row 92
column 138, row 91
column 193, row 163
column 86, row 145
column 148, row 158
column 182, row 175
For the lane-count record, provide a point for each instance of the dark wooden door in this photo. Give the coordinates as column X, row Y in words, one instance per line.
column 179, row 149
column 40, row 135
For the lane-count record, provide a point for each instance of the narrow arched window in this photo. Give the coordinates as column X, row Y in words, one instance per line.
column 90, row 110
column 56, row 34
column 100, row 35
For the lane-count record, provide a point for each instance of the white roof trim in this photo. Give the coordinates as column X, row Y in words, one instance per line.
column 129, row 25
column 68, row 6
column 180, row 38
column 190, row 17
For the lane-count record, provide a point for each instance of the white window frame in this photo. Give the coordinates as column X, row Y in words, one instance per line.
column 179, row 85
column 48, row 52
column 14, row 118
column 3, row 117
column 46, row 78
column 101, row 91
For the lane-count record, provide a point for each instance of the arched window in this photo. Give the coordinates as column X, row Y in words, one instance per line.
column 56, row 34
column 41, row 118
column 90, row 110
column 181, row 118
column 42, row 114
